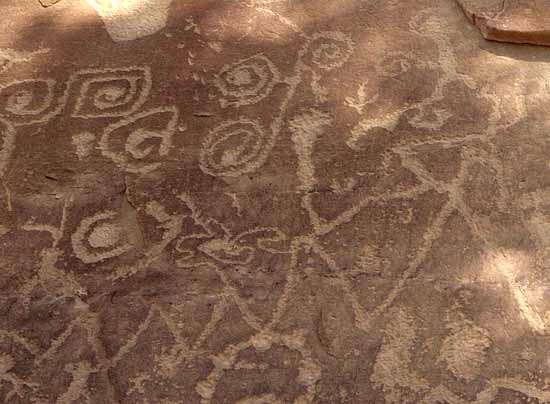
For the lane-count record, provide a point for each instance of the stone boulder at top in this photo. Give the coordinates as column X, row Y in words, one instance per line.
column 520, row 21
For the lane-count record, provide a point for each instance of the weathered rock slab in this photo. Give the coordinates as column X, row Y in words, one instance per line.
column 524, row 21
column 271, row 202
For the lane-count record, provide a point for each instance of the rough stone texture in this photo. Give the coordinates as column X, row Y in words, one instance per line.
column 518, row 21
column 271, row 201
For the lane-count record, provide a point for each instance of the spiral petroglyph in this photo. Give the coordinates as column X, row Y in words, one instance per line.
column 28, row 101
column 235, row 148
column 328, row 50
column 99, row 237
column 110, row 92
column 247, row 81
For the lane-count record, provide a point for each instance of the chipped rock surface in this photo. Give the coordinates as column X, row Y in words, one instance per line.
column 271, row 202
column 519, row 21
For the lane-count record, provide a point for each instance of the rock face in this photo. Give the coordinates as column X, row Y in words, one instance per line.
column 126, row 20
column 521, row 21
column 271, row 202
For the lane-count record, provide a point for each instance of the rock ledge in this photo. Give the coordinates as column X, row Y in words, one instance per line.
column 504, row 21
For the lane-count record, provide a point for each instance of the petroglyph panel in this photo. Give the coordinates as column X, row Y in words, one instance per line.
column 268, row 202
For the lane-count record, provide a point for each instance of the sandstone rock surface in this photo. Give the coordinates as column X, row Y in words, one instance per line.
column 521, row 21
column 271, row 202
